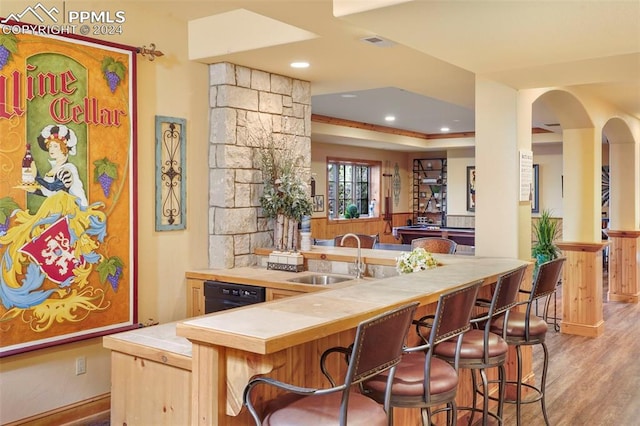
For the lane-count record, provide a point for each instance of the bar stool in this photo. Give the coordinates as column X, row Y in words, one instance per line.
column 421, row 379
column 481, row 349
column 525, row 328
column 435, row 244
column 377, row 347
column 366, row 241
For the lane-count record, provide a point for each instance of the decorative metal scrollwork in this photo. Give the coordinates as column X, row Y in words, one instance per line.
column 171, row 173
column 170, row 158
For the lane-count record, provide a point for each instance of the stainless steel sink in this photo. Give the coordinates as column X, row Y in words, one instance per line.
column 319, row 279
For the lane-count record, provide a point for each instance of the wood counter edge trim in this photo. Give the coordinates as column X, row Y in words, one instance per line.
column 581, row 246
column 151, row 353
column 276, row 344
column 623, row 234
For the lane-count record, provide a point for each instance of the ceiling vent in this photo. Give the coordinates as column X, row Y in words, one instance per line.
column 378, row 41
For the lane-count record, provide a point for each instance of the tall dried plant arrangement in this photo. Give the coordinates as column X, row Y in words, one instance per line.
column 285, row 197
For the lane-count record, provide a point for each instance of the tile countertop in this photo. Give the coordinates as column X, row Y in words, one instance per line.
column 158, row 343
column 270, row 327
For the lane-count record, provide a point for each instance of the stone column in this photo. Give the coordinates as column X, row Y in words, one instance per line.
column 247, row 105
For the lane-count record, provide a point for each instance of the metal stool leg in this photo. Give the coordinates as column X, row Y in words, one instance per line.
column 502, row 384
column 543, row 382
column 474, row 383
column 518, row 384
column 539, row 392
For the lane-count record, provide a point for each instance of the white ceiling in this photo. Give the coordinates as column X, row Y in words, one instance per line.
column 426, row 77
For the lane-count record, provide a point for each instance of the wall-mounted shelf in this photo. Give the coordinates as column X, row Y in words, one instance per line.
column 430, row 191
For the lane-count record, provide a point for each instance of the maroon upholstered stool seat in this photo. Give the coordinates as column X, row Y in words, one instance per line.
column 443, row 379
column 473, row 347
column 322, row 410
column 516, row 328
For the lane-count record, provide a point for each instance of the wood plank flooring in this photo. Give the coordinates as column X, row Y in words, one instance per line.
column 591, row 381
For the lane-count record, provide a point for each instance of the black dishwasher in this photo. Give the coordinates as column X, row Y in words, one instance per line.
column 219, row 296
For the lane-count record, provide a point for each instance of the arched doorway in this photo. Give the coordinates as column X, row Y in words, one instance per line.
column 581, row 213
column 623, row 212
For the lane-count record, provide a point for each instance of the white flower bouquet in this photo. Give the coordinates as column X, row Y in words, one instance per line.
column 416, row 260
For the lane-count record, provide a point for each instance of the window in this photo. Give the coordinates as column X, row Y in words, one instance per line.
column 350, row 182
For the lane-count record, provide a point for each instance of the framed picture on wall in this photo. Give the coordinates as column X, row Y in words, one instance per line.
column 68, row 211
column 535, row 198
column 471, row 188
column 318, row 203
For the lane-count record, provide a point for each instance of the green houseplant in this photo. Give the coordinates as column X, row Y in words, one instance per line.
column 545, row 231
column 351, row 212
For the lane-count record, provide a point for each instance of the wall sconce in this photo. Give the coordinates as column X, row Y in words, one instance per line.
column 151, row 51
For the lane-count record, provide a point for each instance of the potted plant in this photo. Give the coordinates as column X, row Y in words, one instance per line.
column 351, row 212
column 285, row 197
column 545, row 231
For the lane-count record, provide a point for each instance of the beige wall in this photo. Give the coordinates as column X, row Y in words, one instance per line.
column 549, row 159
column 42, row 380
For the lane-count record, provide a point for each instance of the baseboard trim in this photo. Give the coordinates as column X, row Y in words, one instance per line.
column 81, row 413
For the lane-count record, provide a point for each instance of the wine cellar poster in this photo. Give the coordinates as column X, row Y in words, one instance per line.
column 67, row 188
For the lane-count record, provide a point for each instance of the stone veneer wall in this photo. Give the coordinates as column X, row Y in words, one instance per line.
column 246, row 105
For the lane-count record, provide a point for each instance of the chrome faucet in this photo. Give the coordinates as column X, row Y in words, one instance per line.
column 360, row 267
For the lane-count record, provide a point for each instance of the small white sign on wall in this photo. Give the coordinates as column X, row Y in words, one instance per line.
column 526, row 175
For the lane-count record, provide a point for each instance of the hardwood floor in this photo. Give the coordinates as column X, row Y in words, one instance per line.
column 591, row 381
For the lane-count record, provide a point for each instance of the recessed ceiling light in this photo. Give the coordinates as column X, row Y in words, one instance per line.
column 390, row 118
column 300, row 64
column 349, row 95
column 444, row 129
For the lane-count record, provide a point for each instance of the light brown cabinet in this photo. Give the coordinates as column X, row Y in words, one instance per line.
column 195, row 295
column 278, row 293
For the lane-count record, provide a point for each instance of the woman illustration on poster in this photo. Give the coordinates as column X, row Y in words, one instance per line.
column 60, row 142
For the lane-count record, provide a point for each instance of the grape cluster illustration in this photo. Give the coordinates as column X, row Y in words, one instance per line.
column 105, row 173
column 8, row 46
column 112, row 79
column 110, row 269
column 115, row 278
column 114, row 72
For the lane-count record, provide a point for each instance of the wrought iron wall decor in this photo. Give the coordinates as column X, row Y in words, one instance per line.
column 170, row 173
